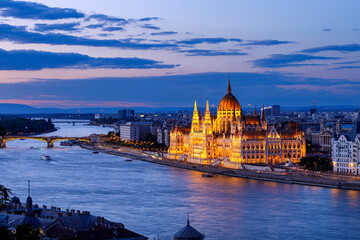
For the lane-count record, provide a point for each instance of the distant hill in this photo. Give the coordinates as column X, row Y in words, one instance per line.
column 9, row 108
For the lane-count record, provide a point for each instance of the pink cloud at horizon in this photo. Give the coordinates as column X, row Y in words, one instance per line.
column 69, row 103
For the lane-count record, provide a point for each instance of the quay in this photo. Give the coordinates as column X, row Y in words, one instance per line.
column 286, row 176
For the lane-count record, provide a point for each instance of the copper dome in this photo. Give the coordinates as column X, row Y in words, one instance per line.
column 229, row 102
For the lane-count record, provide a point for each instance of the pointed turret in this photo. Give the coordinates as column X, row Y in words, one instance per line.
column 263, row 114
column 255, row 113
column 29, row 201
column 207, row 125
column 207, row 105
column 195, row 126
column 229, row 86
column 29, row 218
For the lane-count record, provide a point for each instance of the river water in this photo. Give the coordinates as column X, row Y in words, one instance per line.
column 154, row 200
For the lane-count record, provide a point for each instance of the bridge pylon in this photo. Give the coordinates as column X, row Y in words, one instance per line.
column 50, row 144
column 3, row 144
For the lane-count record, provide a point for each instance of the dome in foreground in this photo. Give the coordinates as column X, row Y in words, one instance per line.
column 188, row 233
column 229, row 102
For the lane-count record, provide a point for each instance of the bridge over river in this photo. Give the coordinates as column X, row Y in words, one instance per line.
column 49, row 140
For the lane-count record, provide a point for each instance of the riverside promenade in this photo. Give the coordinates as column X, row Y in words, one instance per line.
column 290, row 176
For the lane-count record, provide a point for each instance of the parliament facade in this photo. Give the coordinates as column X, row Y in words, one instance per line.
column 232, row 139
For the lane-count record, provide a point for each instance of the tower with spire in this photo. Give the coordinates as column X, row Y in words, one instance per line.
column 29, row 218
column 231, row 138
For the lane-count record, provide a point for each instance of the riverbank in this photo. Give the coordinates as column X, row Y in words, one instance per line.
column 290, row 177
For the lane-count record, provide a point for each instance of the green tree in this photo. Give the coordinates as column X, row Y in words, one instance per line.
column 5, row 234
column 2, row 131
column 25, row 232
column 4, row 196
column 316, row 163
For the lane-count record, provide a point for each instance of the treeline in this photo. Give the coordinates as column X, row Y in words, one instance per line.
column 24, row 126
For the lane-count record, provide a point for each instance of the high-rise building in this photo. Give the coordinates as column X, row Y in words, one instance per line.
column 126, row 114
column 275, row 110
column 134, row 130
column 271, row 111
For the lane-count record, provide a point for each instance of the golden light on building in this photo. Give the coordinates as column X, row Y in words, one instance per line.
column 230, row 138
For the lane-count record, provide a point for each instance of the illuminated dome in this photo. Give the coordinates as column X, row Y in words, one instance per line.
column 229, row 102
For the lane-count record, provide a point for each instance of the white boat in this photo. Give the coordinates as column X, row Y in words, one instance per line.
column 45, row 157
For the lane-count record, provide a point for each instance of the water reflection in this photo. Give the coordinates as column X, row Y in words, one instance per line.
column 154, row 199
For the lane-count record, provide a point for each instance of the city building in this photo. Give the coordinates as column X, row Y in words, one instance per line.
column 232, row 138
column 134, row 130
column 313, row 110
column 126, row 114
column 271, row 111
column 163, row 135
column 53, row 223
column 346, row 154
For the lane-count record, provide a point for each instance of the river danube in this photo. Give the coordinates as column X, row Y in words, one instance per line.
column 153, row 200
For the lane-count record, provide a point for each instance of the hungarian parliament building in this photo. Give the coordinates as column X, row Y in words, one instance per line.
column 232, row 139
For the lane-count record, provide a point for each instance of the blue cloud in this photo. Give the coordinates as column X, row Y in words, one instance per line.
column 265, row 42
column 148, row 19
column 150, row 26
column 164, row 33
column 112, row 29
column 109, row 19
column 18, row 34
column 202, row 52
column 37, row 60
column 288, row 60
column 236, row 40
column 194, row 41
column 180, row 90
column 58, row 26
column 94, row 26
column 337, row 48
column 345, row 67
column 31, row 10
column 326, row 29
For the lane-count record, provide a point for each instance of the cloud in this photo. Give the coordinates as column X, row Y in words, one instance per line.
column 113, row 29
column 19, row 34
column 180, row 90
column 32, row 10
column 108, row 19
column 194, row 41
column 337, row 48
column 94, row 26
column 164, row 33
column 58, row 26
column 345, row 67
column 148, row 19
column 37, row 60
column 202, row 52
column 265, row 42
column 326, row 29
column 288, row 60
column 150, row 26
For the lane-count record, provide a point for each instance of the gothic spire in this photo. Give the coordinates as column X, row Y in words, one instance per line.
column 207, row 106
column 229, row 86
column 255, row 111
column 263, row 113
column 195, row 106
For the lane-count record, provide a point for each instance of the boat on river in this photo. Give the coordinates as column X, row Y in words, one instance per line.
column 45, row 157
column 95, row 152
column 207, row 175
